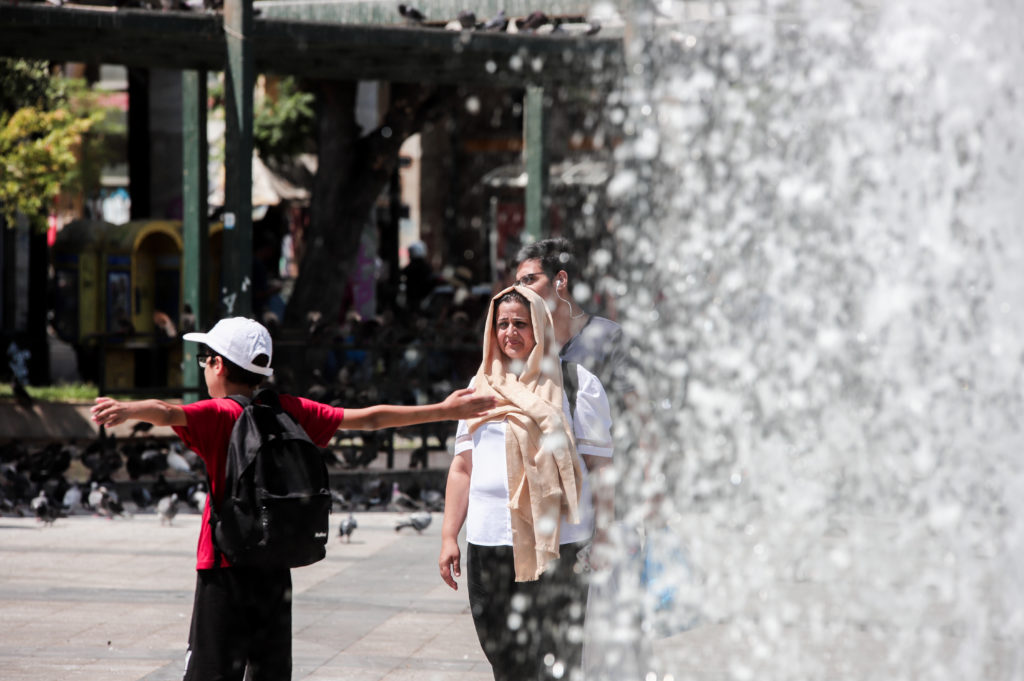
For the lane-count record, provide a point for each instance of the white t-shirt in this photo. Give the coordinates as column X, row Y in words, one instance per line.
column 488, row 520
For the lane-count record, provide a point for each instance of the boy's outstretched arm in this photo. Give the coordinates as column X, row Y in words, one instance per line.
column 109, row 412
column 461, row 404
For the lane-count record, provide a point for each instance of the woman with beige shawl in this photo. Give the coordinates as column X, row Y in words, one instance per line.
column 519, row 484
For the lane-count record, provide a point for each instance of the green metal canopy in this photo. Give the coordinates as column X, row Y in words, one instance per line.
column 307, row 48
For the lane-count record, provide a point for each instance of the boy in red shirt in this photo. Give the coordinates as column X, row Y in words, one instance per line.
column 242, row 616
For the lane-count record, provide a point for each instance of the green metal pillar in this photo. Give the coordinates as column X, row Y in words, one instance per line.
column 195, row 269
column 239, row 78
column 535, row 156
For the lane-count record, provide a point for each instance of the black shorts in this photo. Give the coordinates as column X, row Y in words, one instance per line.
column 241, row 616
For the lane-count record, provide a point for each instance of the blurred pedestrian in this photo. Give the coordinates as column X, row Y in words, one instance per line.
column 550, row 268
column 417, row 278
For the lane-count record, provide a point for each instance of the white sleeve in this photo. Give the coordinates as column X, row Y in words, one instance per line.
column 463, row 438
column 592, row 422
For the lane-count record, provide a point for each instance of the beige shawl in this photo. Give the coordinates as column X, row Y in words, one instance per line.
column 544, row 473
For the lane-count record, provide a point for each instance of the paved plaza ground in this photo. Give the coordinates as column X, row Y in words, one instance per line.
column 110, row 600
column 91, row 599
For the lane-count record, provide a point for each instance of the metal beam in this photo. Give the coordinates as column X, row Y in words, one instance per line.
column 535, row 153
column 195, row 41
column 239, row 78
column 195, row 271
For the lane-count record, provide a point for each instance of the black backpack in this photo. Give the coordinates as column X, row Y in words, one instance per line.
column 276, row 503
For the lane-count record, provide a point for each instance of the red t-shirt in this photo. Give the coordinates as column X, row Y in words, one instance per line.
column 209, row 431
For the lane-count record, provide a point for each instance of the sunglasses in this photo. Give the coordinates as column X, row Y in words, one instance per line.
column 204, row 360
column 528, row 279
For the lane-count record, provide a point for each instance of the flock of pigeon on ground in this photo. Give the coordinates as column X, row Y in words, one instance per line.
column 62, row 479
column 536, row 22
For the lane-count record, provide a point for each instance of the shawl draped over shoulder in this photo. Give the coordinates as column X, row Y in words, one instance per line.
column 544, row 474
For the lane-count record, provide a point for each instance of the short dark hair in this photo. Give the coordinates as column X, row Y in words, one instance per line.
column 237, row 374
column 555, row 254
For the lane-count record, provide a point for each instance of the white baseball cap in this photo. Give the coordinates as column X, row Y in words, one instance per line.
column 240, row 340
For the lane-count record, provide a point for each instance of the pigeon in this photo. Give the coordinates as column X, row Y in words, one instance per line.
column 347, row 527
column 496, row 23
column 141, row 427
column 466, row 21
column 418, row 521
column 44, row 510
column 105, row 502
column 400, row 501
column 112, row 504
column 178, row 462
column 72, row 498
column 144, row 459
column 167, row 508
column 199, row 497
column 95, row 497
column 433, row 499
column 338, row 499
column 142, row 497
column 534, row 21
column 412, row 15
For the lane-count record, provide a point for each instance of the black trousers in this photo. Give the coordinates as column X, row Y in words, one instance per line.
column 241, row 616
column 528, row 630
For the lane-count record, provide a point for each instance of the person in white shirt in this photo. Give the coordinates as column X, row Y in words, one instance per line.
column 518, row 482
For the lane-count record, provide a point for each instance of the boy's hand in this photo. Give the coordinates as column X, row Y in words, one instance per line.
column 108, row 412
column 461, row 404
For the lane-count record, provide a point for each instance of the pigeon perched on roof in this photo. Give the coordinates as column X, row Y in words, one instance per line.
column 418, row 521
column 466, row 21
column 533, row 22
column 167, row 508
column 347, row 527
column 496, row 23
column 411, row 14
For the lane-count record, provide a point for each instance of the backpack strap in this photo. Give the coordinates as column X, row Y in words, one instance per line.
column 268, row 397
column 243, row 401
column 571, row 385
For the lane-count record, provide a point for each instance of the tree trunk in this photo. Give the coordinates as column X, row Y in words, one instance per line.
column 351, row 174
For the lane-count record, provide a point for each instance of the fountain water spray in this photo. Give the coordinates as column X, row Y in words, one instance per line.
column 818, row 261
